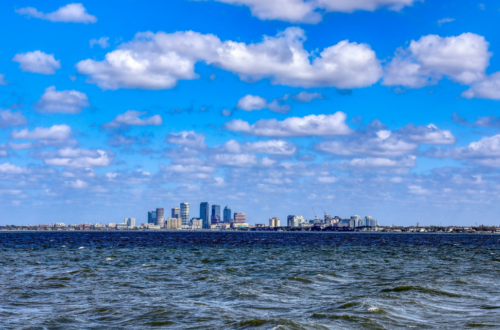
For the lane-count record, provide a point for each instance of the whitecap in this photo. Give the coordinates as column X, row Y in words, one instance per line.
column 81, row 248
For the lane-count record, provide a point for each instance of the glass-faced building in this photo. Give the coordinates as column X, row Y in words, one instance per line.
column 227, row 215
column 185, row 214
column 205, row 214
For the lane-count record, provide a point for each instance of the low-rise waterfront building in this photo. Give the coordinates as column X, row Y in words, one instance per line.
column 295, row 220
column 274, row 222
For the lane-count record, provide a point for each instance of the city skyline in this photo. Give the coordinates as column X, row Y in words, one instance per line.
column 275, row 107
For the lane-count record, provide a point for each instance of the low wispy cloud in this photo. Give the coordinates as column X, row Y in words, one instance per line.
column 445, row 20
column 103, row 42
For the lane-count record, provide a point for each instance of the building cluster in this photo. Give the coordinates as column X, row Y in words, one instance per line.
column 353, row 222
column 210, row 218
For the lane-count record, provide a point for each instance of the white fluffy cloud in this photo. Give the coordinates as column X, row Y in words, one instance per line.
column 37, row 62
column 312, row 125
column 9, row 119
column 385, row 143
column 54, row 134
column 102, row 41
column 8, row 168
column 188, row 169
column 189, row 139
column 462, row 59
column 251, row 102
column 79, row 158
column 242, row 160
column 73, row 12
column 381, row 144
column 255, row 102
column 488, row 88
column 429, row 134
column 486, row 151
column 131, row 118
column 310, row 11
column 69, row 101
column 400, row 166
column 158, row 61
column 273, row 147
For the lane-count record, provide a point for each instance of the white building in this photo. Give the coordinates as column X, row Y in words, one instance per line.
column 196, row 224
column 185, row 213
column 130, row 222
column 295, row 220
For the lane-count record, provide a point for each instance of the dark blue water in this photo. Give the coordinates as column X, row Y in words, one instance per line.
column 239, row 280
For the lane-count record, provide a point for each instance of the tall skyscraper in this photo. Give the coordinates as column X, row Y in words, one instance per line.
column 176, row 212
column 216, row 210
column 160, row 217
column 240, row 217
column 152, row 217
column 205, row 214
column 215, row 219
column 227, row 215
column 185, row 214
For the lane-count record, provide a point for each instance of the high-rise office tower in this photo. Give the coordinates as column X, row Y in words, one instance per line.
column 216, row 210
column 205, row 215
column 185, row 214
column 152, row 217
column 160, row 217
column 239, row 217
column 227, row 215
column 176, row 212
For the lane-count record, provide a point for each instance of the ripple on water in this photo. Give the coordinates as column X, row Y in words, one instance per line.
column 228, row 280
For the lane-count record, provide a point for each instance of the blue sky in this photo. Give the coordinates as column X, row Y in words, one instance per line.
column 372, row 107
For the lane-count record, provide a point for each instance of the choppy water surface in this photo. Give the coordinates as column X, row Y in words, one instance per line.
column 127, row 280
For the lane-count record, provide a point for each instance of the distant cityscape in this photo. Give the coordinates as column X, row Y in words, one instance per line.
column 210, row 219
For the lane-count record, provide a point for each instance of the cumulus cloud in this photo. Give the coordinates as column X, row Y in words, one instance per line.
column 69, row 101
column 242, row 160
column 10, row 119
column 79, row 158
column 274, row 147
column 384, row 143
column 485, row 152
column 188, row 169
column 304, row 11
column 8, row 168
column 73, row 12
column 379, row 164
column 462, row 59
column 56, row 134
column 102, row 41
column 306, row 97
column 77, row 184
column 37, row 62
column 158, row 61
column 380, row 144
column 188, row 139
column 131, row 118
column 255, row 102
column 251, row 102
column 312, row 125
column 429, row 134
column 488, row 88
